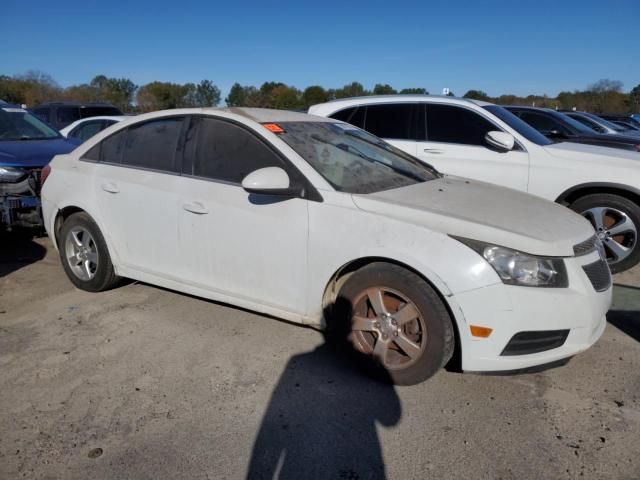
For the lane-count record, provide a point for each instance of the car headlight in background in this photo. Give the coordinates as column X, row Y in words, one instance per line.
column 517, row 268
column 11, row 174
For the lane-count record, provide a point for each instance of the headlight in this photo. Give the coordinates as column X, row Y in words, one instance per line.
column 11, row 174
column 517, row 268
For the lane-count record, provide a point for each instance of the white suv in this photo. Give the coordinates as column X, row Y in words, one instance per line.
column 309, row 219
column 486, row 142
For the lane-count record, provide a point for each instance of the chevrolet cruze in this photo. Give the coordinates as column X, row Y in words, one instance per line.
column 315, row 221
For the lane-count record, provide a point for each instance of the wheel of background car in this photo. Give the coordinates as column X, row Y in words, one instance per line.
column 84, row 254
column 394, row 324
column 616, row 220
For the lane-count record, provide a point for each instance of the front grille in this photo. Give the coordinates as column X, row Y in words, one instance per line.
column 599, row 275
column 585, row 247
column 525, row 343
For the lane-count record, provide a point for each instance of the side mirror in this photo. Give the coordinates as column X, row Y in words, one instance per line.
column 500, row 140
column 270, row 181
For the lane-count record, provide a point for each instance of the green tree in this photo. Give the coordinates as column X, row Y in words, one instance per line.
column 207, row 94
column 477, row 95
column 414, row 91
column 633, row 101
column 313, row 95
column 163, row 95
column 237, row 96
column 383, row 89
column 353, row 89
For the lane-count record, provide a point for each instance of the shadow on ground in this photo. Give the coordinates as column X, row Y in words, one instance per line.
column 627, row 321
column 18, row 249
column 321, row 421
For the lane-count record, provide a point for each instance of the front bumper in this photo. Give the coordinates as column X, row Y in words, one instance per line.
column 510, row 310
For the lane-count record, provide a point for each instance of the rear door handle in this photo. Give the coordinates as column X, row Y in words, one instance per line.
column 433, row 150
column 110, row 187
column 195, row 207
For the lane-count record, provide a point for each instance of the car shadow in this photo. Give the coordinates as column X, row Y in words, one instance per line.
column 627, row 321
column 321, row 420
column 18, row 249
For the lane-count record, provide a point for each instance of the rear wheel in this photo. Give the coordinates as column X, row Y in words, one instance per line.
column 84, row 254
column 616, row 221
column 394, row 323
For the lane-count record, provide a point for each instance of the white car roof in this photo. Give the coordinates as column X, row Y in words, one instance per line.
column 339, row 104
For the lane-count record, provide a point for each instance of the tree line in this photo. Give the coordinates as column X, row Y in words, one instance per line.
column 35, row 87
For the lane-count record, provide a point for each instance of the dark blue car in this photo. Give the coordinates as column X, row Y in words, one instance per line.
column 26, row 146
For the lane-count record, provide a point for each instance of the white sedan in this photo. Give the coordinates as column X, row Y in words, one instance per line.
column 487, row 142
column 315, row 221
column 85, row 128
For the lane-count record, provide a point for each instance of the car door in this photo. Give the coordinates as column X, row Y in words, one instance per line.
column 135, row 183
column 456, row 145
column 240, row 244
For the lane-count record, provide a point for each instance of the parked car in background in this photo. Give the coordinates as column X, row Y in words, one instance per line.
column 487, row 142
column 61, row 114
column 598, row 124
column 560, row 127
column 397, row 258
column 621, row 118
column 86, row 128
column 26, row 146
column 626, row 125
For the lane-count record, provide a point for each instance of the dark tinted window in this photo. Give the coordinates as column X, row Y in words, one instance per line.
column 87, row 130
column 542, row 123
column 452, row 124
column 86, row 112
column 519, row 125
column 42, row 114
column 153, row 144
column 396, row 121
column 228, row 152
column 93, row 153
column 111, row 147
column 67, row 115
column 353, row 115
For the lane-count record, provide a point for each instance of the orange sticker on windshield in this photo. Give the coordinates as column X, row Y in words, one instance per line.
column 273, row 127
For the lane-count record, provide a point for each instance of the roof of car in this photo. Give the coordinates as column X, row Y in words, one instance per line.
column 261, row 115
column 371, row 99
column 74, row 103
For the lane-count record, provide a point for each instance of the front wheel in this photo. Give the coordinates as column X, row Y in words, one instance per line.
column 616, row 221
column 394, row 322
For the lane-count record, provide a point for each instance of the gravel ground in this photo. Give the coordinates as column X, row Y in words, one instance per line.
column 142, row 382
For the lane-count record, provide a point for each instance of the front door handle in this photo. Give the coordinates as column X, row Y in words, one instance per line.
column 195, row 207
column 110, row 187
column 436, row 151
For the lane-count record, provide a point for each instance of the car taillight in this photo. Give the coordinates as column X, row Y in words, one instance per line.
column 638, row 147
column 46, row 171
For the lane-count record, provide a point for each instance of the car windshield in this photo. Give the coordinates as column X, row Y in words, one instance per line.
column 520, row 126
column 582, row 128
column 604, row 122
column 18, row 124
column 352, row 160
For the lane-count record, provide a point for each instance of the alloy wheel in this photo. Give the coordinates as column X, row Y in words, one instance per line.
column 81, row 253
column 616, row 230
column 388, row 326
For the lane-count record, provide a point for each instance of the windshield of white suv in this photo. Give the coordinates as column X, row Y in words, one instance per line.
column 18, row 124
column 352, row 160
column 520, row 126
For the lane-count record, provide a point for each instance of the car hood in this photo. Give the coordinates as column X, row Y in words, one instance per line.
column 485, row 212
column 581, row 151
column 33, row 153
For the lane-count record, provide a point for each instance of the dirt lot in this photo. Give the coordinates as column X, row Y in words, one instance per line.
column 141, row 382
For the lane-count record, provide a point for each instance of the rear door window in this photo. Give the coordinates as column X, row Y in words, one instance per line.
column 397, row 121
column 67, row 115
column 453, row 124
column 153, row 144
column 87, row 130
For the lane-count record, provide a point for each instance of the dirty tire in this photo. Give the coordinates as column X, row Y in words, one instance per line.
column 619, row 204
column 393, row 362
column 104, row 276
